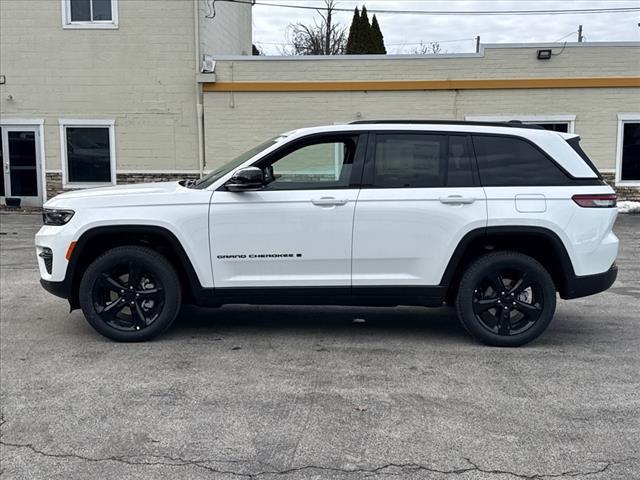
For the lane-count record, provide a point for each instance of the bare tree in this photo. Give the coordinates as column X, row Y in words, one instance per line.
column 324, row 37
column 431, row 48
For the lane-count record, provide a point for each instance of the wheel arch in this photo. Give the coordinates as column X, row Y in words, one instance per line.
column 540, row 243
column 98, row 240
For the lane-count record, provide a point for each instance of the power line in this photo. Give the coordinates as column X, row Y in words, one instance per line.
column 567, row 35
column 575, row 11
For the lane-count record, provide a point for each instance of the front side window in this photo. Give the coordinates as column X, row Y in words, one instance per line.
column 512, row 161
column 414, row 160
column 89, row 13
column 89, row 159
column 629, row 151
column 324, row 164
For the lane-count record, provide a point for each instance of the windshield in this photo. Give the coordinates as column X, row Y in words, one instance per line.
column 219, row 172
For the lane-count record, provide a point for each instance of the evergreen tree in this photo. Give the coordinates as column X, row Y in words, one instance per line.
column 353, row 32
column 376, row 37
column 365, row 44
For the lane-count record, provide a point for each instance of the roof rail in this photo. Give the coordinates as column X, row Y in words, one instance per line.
column 510, row 123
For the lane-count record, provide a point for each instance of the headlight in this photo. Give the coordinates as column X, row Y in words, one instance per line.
column 56, row 217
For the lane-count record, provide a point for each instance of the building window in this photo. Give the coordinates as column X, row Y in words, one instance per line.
column 88, row 153
column 556, row 123
column 90, row 13
column 628, row 150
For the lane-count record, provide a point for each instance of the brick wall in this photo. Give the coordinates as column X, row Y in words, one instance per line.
column 141, row 75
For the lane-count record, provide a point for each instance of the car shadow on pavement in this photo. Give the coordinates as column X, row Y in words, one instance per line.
column 415, row 321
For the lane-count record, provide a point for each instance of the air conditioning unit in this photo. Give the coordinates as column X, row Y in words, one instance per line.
column 208, row 64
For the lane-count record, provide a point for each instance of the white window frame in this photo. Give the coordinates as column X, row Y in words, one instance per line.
column 622, row 119
column 570, row 119
column 64, row 161
column 67, row 23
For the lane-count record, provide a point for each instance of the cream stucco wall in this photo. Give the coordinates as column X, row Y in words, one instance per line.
column 235, row 120
column 142, row 74
column 225, row 29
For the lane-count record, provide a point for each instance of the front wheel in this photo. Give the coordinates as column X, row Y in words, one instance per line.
column 130, row 294
column 506, row 299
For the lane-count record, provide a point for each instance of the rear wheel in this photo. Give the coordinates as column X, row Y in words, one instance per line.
column 506, row 299
column 130, row 294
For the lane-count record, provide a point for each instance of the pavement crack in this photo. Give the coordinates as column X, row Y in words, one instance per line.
column 133, row 460
column 205, row 464
column 606, row 465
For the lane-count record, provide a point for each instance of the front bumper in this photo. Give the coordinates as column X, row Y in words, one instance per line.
column 584, row 285
column 59, row 289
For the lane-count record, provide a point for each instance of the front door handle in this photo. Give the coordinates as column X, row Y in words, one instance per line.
column 456, row 200
column 329, row 201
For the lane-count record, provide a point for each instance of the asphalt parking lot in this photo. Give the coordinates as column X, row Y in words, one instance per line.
column 307, row 392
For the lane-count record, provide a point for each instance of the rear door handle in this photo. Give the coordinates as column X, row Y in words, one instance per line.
column 456, row 200
column 329, row 201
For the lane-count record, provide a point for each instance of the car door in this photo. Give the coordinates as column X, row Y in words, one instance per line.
column 420, row 196
column 296, row 231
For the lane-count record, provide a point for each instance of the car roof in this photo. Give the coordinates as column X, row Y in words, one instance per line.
column 499, row 128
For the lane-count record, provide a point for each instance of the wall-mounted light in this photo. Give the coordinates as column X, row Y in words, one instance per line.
column 544, row 54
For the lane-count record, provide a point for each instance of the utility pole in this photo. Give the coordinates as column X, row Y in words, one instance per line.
column 327, row 40
column 478, row 44
column 580, row 37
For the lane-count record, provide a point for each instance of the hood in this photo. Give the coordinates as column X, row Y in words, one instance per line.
column 124, row 195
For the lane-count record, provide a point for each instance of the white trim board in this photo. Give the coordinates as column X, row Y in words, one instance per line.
column 622, row 119
column 73, row 122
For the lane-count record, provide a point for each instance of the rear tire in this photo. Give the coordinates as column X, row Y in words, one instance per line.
column 506, row 299
column 130, row 294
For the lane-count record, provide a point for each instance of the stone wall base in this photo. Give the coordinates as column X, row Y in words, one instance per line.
column 54, row 182
column 624, row 193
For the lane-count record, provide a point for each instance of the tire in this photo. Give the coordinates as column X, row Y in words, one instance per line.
column 506, row 299
column 130, row 294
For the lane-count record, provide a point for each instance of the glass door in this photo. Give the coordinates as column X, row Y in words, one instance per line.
column 20, row 157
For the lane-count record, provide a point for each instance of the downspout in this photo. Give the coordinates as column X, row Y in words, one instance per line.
column 198, row 87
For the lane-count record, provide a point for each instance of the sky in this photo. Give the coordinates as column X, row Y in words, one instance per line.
column 403, row 33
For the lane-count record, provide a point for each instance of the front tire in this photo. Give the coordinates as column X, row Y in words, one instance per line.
column 506, row 299
column 130, row 294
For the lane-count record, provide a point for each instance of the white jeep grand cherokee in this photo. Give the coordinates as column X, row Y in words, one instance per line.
column 492, row 218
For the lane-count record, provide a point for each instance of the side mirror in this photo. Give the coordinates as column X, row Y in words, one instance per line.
column 250, row 178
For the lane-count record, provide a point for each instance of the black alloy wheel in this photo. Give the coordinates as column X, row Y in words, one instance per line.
column 506, row 299
column 128, row 298
column 130, row 293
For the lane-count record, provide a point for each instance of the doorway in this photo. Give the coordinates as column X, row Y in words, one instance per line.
column 20, row 157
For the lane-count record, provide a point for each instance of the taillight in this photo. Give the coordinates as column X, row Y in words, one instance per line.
column 596, row 201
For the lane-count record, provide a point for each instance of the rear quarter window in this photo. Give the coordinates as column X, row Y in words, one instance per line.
column 512, row 161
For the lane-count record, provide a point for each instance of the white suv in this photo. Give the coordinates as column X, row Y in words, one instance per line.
column 492, row 218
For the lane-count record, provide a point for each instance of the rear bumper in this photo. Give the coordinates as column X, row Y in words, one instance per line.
column 584, row 285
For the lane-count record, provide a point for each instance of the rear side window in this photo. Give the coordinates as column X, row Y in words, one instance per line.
column 575, row 144
column 511, row 161
column 410, row 160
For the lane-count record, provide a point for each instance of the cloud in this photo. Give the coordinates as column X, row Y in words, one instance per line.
column 402, row 32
